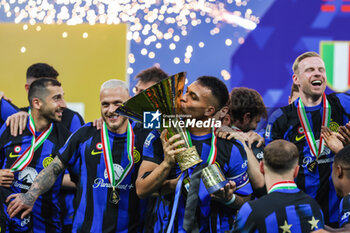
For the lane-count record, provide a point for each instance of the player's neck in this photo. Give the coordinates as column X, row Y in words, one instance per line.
column 41, row 123
column 310, row 101
column 270, row 180
column 200, row 131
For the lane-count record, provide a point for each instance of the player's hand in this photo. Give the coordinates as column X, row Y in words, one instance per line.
column 344, row 131
column 6, row 178
column 98, row 123
column 226, row 193
column 254, row 137
column 171, row 147
column 22, row 202
column 2, row 95
column 17, row 122
column 332, row 140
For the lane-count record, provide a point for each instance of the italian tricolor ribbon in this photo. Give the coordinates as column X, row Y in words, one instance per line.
column 283, row 185
column 309, row 135
column 24, row 160
column 108, row 158
column 213, row 149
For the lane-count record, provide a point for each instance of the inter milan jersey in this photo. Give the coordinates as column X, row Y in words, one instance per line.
column 6, row 110
column 229, row 160
column 46, row 209
column 95, row 212
column 344, row 211
column 282, row 210
column 284, row 124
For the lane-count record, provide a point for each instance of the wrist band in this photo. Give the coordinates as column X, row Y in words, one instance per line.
column 231, row 201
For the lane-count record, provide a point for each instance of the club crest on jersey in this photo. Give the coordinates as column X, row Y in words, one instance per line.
column 333, row 126
column 47, row 161
column 27, row 175
column 17, row 149
column 118, row 171
column 137, row 156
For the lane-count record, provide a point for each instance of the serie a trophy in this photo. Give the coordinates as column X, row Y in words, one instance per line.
column 164, row 97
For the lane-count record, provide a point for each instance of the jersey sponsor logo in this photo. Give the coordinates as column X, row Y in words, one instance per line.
column 27, row 175
column 104, row 182
column 345, row 216
column 308, row 160
column 245, row 164
column 118, row 171
column 301, row 132
column 25, row 221
column 47, row 161
column 13, row 155
column 137, row 155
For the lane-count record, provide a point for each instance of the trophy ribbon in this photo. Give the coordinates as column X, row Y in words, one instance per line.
column 24, row 160
column 309, row 135
column 108, row 158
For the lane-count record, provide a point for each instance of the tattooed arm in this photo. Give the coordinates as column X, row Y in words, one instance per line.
column 42, row 183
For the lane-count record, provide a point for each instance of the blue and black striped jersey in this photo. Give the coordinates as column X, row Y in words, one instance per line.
column 94, row 212
column 284, row 124
column 282, row 210
column 344, row 211
column 6, row 110
column 46, row 209
column 228, row 158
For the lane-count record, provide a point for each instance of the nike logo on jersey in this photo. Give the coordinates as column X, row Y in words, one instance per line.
column 298, row 138
column 13, row 156
column 93, row 152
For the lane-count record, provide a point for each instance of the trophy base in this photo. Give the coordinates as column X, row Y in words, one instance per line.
column 188, row 158
column 217, row 187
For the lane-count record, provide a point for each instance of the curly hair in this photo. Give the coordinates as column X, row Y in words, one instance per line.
column 243, row 100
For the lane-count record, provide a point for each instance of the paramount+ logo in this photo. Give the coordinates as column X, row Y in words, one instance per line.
column 156, row 120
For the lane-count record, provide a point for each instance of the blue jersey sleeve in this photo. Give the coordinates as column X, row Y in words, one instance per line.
column 274, row 129
column 344, row 99
column 344, row 211
column 77, row 122
column 237, row 171
column 6, row 110
column 152, row 148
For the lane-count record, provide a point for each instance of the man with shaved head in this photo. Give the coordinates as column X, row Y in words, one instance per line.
column 286, row 207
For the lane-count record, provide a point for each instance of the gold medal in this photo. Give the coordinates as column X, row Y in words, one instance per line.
column 114, row 198
column 312, row 166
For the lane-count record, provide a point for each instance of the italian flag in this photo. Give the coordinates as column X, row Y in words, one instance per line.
column 335, row 54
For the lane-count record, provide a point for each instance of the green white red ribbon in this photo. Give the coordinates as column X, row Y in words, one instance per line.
column 283, row 185
column 309, row 135
column 213, row 149
column 24, row 160
column 108, row 158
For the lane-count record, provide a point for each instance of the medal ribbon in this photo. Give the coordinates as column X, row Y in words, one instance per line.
column 108, row 154
column 213, row 149
column 24, row 160
column 309, row 135
column 283, row 185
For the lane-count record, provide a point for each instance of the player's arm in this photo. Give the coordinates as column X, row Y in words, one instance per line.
column 152, row 176
column 42, row 183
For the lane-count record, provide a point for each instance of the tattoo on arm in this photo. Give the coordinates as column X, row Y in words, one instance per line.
column 44, row 181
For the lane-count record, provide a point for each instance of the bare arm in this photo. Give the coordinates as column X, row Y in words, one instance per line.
column 226, row 194
column 67, row 183
column 42, row 183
